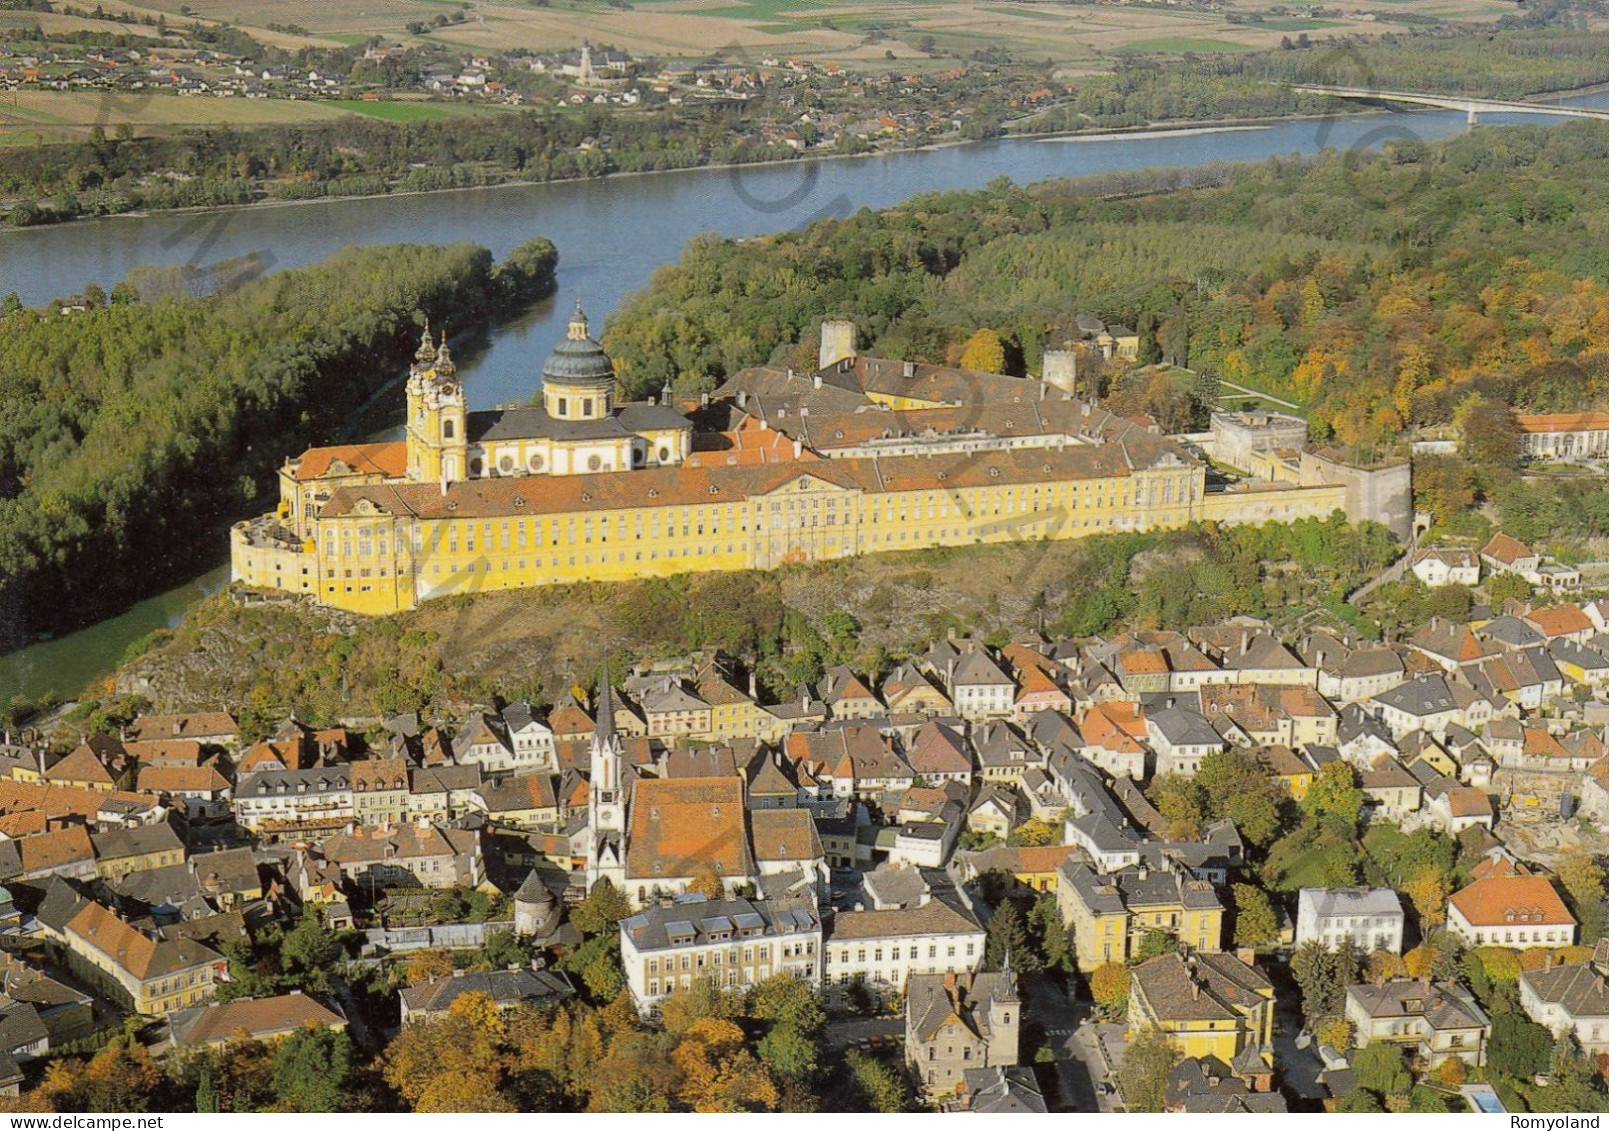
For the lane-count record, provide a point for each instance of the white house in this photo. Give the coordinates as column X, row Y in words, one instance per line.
column 1371, row 917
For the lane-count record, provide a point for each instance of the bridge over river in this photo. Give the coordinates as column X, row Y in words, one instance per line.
column 1471, row 106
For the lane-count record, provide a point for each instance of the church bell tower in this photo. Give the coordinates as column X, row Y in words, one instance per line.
column 438, row 418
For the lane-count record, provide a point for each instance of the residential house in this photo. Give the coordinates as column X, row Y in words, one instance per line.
column 121, row 851
column 1511, row 911
column 1445, row 565
column 881, row 950
column 1109, row 915
column 295, row 801
column 148, row 976
column 1181, row 738
column 205, row 793
column 979, row 688
column 380, row 791
column 267, row 1020
column 531, row 739
column 411, row 855
column 731, row 943
column 955, row 1023
column 1207, row 1005
column 540, row 989
column 1433, row 1023
column 526, row 802
column 1371, row 917
column 1571, row 999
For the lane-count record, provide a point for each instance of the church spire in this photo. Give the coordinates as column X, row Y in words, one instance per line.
column 604, row 732
column 444, row 358
column 578, row 323
column 426, row 353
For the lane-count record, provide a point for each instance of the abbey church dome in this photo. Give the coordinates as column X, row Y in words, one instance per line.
column 579, row 361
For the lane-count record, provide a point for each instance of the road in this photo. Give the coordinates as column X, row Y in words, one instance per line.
column 1298, row 1068
column 843, row 1032
column 1069, row 1033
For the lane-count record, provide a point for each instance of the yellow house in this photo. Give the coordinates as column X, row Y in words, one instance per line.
column 147, row 976
column 1109, row 915
column 1033, row 868
column 1207, row 1005
column 139, row 849
column 1292, row 771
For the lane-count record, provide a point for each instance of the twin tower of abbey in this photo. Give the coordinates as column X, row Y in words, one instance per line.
column 861, row 456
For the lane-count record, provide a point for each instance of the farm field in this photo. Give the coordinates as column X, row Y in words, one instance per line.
column 30, row 116
column 846, row 31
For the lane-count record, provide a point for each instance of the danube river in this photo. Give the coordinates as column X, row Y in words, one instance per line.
column 611, row 234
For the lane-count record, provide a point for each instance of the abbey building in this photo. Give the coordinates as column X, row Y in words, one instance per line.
column 862, row 455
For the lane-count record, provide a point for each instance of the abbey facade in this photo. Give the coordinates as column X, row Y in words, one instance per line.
column 863, row 455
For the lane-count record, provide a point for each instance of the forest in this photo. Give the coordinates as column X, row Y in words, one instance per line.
column 129, row 431
column 1512, row 63
column 1382, row 290
column 359, row 156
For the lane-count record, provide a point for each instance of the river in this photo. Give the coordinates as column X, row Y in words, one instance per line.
column 611, row 234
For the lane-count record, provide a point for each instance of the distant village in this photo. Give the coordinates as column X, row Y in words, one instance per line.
column 806, row 103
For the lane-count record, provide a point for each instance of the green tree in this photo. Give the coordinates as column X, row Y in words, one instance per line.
column 1380, row 1068
column 206, row 1095
column 1142, row 1075
column 1255, row 921
column 313, row 1071
column 604, row 907
column 1334, row 796
column 1153, row 944
column 883, row 1088
column 1519, row 1047
column 1239, row 789
column 1006, row 935
column 1055, row 945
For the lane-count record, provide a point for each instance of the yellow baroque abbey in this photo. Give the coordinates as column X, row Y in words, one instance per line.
column 861, row 456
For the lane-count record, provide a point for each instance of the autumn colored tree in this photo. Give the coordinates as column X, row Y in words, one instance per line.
column 446, row 1064
column 718, row 1073
column 1428, row 890
column 984, row 351
column 1384, row 966
column 707, row 882
column 1109, row 986
column 428, row 965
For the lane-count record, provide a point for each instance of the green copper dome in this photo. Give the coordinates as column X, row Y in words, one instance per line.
column 578, row 360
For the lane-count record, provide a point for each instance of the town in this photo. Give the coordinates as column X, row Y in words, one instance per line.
column 1240, row 867
column 914, row 845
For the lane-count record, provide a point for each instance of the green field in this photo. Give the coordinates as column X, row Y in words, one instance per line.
column 392, row 111
column 1182, row 44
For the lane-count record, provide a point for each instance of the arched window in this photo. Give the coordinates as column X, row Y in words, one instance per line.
column 447, row 429
column 475, row 467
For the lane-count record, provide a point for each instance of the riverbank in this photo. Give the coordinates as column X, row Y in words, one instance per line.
column 1159, row 130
